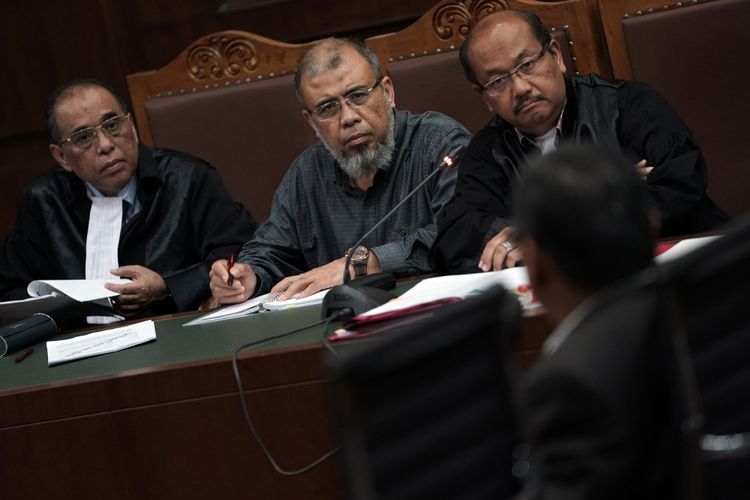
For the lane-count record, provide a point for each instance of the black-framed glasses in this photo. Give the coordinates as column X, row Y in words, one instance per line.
column 84, row 138
column 500, row 84
column 358, row 97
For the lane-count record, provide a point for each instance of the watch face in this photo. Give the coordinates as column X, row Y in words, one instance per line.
column 360, row 253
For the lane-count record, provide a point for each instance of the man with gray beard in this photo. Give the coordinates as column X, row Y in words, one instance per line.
column 369, row 157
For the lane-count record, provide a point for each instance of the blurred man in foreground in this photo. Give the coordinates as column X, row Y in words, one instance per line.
column 599, row 404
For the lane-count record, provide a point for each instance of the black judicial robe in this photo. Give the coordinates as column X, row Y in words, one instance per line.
column 625, row 115
column 187, row 221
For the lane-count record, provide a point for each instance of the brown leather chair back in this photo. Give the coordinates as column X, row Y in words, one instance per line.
column 692, row 53
column 228, row 98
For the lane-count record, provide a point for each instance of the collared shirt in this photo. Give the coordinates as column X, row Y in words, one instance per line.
column 553, row 342
column 128, row 194
column 317, row 214
column 547, row 142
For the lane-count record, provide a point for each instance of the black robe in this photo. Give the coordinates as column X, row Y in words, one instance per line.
column 187, row 221
column 626, row 115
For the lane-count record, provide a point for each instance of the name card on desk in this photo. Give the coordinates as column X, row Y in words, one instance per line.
column 104, row 342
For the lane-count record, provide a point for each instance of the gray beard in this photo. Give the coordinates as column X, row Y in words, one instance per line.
column 368, row 161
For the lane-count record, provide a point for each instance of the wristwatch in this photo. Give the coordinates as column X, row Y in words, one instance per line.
column 359, row 260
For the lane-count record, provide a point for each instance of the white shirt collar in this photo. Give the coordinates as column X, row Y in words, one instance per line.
column 547, row 142
column 127, row 193
column 567, row 325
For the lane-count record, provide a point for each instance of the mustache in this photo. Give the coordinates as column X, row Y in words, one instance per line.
column 523, row 100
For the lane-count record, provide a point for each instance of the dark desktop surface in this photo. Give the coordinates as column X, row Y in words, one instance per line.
column 164, row 420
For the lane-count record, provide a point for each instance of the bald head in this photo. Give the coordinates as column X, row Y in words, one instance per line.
column 489, row 23
column 328, row 55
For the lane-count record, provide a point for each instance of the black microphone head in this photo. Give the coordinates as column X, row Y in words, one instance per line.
column 355, row 299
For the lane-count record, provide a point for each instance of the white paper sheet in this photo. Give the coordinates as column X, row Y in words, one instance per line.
column 80, row 290
column 514, row 279
column 684, row 247
column 103, row 342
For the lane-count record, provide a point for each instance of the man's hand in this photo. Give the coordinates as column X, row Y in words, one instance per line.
column 500, row 252
column 302, row 285
column 243, row 283
column 643, row 169
column 146, row 288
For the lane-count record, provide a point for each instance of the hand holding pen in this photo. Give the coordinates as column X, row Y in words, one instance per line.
column 231, row 281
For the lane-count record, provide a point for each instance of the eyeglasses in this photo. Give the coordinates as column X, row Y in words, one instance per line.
column 358, row 97
column 498, row 85
column 84, row 138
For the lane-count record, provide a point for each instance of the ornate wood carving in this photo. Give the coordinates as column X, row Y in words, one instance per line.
column 458, row 17
column 221, row 56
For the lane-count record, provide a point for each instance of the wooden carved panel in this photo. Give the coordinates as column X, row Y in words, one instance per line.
column 220, row 57
column 458, row 17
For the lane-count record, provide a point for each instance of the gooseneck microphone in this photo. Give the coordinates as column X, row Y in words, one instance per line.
column 361, row 298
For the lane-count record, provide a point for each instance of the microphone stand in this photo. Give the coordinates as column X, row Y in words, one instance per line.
column 360, row 298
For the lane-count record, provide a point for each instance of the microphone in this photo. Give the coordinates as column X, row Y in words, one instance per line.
column 361, row 298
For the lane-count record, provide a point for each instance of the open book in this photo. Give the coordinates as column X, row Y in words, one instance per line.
column 63, row 299
column 266, row 302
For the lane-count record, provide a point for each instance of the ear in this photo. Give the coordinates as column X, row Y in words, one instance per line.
column 311, row 122
column 308, row 117
column 387, row 84
column 135, row 130
column 556, row 51
column 485, row 99
column 536, row 264
column 59, row 155
column 654, row 221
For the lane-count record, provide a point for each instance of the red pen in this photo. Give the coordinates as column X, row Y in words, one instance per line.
column 25, row 354
column 230, row 263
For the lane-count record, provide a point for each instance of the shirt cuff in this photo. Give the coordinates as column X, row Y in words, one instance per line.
column 391, row 257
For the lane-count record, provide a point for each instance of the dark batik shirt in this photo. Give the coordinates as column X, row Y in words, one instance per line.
column 317, row 213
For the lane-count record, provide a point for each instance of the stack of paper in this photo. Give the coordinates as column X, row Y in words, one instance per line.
column 435, row 292
column 514, row 279
column 57, row 296
column 683, row 247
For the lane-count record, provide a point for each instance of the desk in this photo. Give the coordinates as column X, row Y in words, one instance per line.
column 163, row 420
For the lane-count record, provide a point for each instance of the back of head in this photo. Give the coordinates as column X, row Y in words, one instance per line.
column 588, row 210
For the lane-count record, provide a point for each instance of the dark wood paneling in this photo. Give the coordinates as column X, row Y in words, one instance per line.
column 70, row 458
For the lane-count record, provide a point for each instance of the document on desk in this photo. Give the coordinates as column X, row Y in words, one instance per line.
column 51, row 296
column 266, row 302
column 683, row 247
column 514, row 279
column 103, row 342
